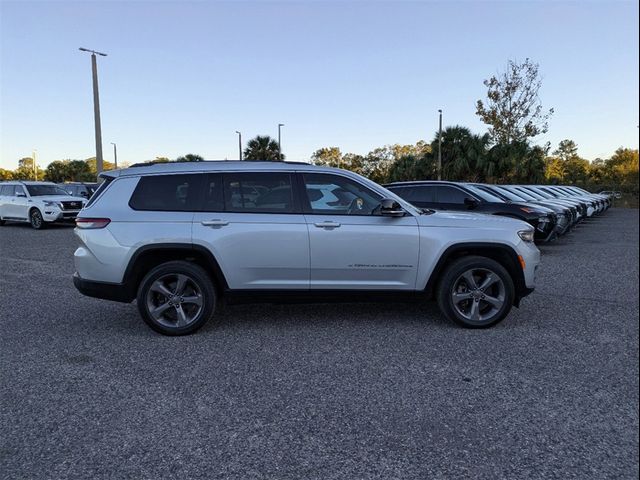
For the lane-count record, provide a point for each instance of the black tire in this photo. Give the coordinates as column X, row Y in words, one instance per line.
column 452, row 278
column 2, row 222
column 199, row 282
column 35, row 219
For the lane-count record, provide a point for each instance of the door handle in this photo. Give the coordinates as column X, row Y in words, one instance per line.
column 214, row 223
column 327, row 224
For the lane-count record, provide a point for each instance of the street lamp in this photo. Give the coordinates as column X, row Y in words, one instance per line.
column 239, row 145
column 115, row 155
column 280, row 125
column 440, row 147
column 96, row 106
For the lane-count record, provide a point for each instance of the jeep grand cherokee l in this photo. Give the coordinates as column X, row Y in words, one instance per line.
column 179, row 236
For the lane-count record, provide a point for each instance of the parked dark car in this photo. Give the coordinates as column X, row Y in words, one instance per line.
column 563, row 214
column 468, row 197
column 79, row 189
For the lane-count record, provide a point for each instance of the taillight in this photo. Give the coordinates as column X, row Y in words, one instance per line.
column 92, row 223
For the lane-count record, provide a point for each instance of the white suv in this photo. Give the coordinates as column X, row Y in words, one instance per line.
column 179, row 236
column 37, row 203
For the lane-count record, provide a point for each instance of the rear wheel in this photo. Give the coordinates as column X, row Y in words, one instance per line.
column 35, row 218
column 475, row 292
column 176, row 298
column 2, row 222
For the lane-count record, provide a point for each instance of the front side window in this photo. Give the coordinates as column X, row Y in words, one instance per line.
column 258, row 192
column 171, row 193
column 336, row 195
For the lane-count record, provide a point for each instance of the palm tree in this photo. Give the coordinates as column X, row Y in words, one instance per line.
column 463, row 153
column 262, row 148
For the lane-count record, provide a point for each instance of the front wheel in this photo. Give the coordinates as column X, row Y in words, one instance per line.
column 475, row 292
column 176, row 298
column 35, row 218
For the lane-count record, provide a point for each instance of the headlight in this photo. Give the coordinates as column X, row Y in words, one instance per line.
column 49, row 203
column 526, row 235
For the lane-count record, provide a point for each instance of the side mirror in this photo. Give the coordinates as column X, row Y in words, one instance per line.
column 84, row 194
column 390, row 208
column 21, row 194
column 471, row 202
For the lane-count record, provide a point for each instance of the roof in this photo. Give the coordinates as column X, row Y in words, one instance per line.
column 28, row 182
column 213, row 166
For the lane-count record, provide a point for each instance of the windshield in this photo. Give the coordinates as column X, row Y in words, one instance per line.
column 484, row 195
column 525, row 194
column 509, row 194
column 40, row 190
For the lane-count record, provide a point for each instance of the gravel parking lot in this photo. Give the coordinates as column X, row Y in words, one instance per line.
column 324, row 391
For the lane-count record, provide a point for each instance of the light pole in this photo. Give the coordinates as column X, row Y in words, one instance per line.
column 239, row 145
column 280, row 125
column 96, row 106
column 440, row 147
column 35, row 165
column 115, row 155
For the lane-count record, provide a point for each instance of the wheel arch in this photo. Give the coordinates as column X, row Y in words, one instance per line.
column 501, row 253
column 149, row 256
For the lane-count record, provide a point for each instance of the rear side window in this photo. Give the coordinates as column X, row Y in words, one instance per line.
column 213, row 193
column 258, row 192
column 171, row 193
column 423, row 193
column 450, row 195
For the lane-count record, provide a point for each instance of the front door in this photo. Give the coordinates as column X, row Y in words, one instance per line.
column 351, row 245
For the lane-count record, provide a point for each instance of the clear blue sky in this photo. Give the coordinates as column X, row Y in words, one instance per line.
column 183, row 76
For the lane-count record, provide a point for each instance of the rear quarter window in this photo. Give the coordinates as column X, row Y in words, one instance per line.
column 171, row 193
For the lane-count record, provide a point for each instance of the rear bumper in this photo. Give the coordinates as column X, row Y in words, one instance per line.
column 117, row 292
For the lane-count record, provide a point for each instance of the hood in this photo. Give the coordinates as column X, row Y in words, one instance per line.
column 467, row 220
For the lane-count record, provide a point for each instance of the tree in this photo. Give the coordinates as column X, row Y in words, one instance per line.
column 566, row 149
column 25, row 170
column 190, row 157
column 411, row 167
column 6, row 174
column 463, row 154
column 262, row 148
column 328, row 156
column 513, row 110
column 57, row 171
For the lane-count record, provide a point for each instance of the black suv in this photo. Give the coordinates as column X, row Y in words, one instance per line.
column 468, row 197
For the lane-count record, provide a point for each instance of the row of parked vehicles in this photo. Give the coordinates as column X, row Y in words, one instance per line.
column 552, row 210
column 180, row 237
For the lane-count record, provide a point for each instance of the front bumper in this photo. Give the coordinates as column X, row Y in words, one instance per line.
column 57, row 215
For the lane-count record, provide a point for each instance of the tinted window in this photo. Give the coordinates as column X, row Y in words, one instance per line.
column 337, row 195
column 213, row 193
column 6, row 190
column 451, row 195
column 258, row 192
column 416, row 193
column 172, row 193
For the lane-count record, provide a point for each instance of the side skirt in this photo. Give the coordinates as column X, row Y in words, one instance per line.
column 235, row 297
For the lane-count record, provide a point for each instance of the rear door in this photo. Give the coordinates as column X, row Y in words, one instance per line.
column 6, row 195
column 252, row 223
column 352, row 247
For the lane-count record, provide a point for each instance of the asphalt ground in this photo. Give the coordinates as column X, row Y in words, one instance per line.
column 348, row 391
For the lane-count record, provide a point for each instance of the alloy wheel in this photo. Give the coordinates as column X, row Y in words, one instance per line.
column 478, row 295
column 175, row 300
